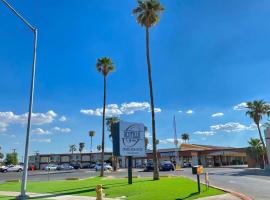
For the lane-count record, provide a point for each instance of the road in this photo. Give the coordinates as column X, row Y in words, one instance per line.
column 255, row 183
column 252, row 182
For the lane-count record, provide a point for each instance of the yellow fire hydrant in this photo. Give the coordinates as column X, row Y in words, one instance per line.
column 99, row 191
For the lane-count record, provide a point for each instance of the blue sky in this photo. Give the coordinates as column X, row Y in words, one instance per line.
column 207, row 56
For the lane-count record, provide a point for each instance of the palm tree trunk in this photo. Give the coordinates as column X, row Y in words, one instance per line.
column 264, row 147
column 155, row 159
column 91, row 144
column 103, row 129
column 91, row 152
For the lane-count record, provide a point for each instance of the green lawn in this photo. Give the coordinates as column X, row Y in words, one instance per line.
column 12, row 198
column 142, row 188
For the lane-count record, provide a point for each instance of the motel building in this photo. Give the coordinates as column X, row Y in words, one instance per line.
column 188, row 154
column 206, row 155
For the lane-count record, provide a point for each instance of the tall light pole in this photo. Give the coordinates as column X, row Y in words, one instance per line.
column 34, row 30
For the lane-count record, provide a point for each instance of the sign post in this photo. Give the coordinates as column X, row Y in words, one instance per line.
column 198, row 170
column 199, row 184
column 267, row 140
column 128, row 141
column 129, row 169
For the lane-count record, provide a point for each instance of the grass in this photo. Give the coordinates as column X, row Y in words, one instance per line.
column 12, row 198
column 175, row 188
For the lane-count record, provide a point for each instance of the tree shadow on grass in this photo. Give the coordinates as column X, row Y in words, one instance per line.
column 75, row 192
column 111, row 185
column 190, row 195
column 80, row 190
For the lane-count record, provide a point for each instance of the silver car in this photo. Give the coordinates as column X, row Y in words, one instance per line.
column 65, row 167
column 12, row 168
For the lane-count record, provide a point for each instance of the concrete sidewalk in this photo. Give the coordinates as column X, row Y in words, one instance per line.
column 54, row 196
column 221, row 197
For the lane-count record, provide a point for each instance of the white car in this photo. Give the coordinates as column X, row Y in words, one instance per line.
column 12, row 168
column 50, row 167
column 65, row 167
column 107, row 167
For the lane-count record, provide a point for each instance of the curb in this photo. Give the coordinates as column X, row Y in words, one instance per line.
column 237, row 194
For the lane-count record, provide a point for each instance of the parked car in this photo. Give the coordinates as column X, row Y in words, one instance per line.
column 107, row 167
column 65, row 167
column 76, row 166
column 50, row 167
column 187, row 164
column 149, row 166
column 166, row 166
column 12, row 168
column 89, row 166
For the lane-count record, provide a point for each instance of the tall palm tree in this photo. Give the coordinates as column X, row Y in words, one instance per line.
column 81, row 147
column 72, row 148
column 185, row 137
column 92, row 134
column 109, row 122
column 256, row 110
column 147, row 14
column 104, row 66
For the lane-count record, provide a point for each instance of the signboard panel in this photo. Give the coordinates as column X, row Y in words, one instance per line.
column 131, row 139
column 128, row 139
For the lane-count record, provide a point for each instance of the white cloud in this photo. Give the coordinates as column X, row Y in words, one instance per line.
column 132, row 107
column 180, row 111
column 124, row 109
column 148, row 135
column 44, row 140
column 37, row 118
column 3, row 127
column 206, row 133
column 190, row 112
column 218, row 114
column 13, row 136
column 40, row 131
column 62, row 130
column 62, row 119
column 241, row 106
column 233, row 127
column 157, row 110
column 169, row 141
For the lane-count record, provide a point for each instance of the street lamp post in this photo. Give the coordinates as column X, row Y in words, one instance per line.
column 34, row 30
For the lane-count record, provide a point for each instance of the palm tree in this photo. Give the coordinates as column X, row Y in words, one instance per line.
column 185, row 137
column 72, row 148
column 92, row 134
column 109, row 122
column 256, row 149
column 105, row 66
column 1, row 154
column 146, row 142
column 147, row 14
column 256, row 110
column 81, row 147
column 99, row 147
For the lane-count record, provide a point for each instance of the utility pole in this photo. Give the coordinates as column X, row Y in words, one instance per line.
column 23, row 195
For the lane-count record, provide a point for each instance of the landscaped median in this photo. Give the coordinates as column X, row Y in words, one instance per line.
column 170, row 188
